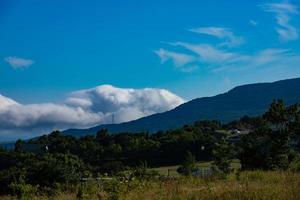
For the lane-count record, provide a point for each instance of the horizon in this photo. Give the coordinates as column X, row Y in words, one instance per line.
column 108, row 122
column 72, row 64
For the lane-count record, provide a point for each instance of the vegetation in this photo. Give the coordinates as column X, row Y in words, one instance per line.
column 105, row 166
column 254, row 185
column 188, row 165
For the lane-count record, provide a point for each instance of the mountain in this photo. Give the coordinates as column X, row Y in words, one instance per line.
column 251, row 100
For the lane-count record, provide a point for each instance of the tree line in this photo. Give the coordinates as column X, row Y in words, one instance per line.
column 271, row 143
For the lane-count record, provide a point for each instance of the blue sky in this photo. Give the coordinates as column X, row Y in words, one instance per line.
column 54, row 51
column 81, row 44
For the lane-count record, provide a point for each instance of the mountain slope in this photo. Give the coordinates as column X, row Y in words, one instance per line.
column 252, row 100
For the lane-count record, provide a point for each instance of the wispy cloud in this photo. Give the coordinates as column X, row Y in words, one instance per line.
column 253, row 22
column 226, row 56
column 208, row 53
column 223, row 59
column 221, row 33
column 18, row 63
column 269, row 55
column 218, row 59
column 204, row 54
column 262, row 58
column 180, row 60
column 283, row 13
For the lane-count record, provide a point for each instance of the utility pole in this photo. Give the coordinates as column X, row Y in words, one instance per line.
column 113, row 118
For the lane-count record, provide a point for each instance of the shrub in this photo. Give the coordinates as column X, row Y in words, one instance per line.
column 295, row 164
column 23, row 191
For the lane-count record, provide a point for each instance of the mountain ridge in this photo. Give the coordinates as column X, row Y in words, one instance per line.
column 250, row 99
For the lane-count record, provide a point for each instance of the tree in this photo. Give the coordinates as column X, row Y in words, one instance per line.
column 102, row 134
column 19, row 145
column 188, row 165
column 54, row 168
column 283, row 123
column 269, row 146
column 276, row 115
column 222, row 155
column 254, row 149
column 102, row 137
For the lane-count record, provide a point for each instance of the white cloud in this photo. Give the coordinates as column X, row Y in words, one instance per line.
column 222, row 56
column 18, row 63
column 179, row 59
column 262, row 58
column 284, row 7
column 253, row 23
column 269, row 55
column 208, row 53
column 221, row 33
column 108, row 99
column 283, row 13
column 218, row 59
column 83, row 108
column 205, row 53
column 6, row 102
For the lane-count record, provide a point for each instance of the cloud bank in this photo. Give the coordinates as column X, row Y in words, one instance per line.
column 82, row 109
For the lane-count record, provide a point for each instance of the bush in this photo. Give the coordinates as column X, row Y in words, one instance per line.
column 90, row 190
column 295, row 164
column 23, row 191
column 114, row 189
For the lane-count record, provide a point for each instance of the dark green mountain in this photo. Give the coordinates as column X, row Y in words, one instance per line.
column 251, row 100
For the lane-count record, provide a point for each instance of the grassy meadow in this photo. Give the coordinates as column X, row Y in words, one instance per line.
column 252, row 185
column 247, row 185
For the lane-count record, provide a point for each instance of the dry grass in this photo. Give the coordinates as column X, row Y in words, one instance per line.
column 251, row 185
column 247, row 186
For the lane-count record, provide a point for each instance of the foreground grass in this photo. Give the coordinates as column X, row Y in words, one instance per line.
column 246, row 185
column 249, row 185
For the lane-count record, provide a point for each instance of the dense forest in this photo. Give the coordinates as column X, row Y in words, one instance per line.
column 268, row 142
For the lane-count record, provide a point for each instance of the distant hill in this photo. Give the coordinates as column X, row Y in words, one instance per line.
column 7, row 145
column 251, row 100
